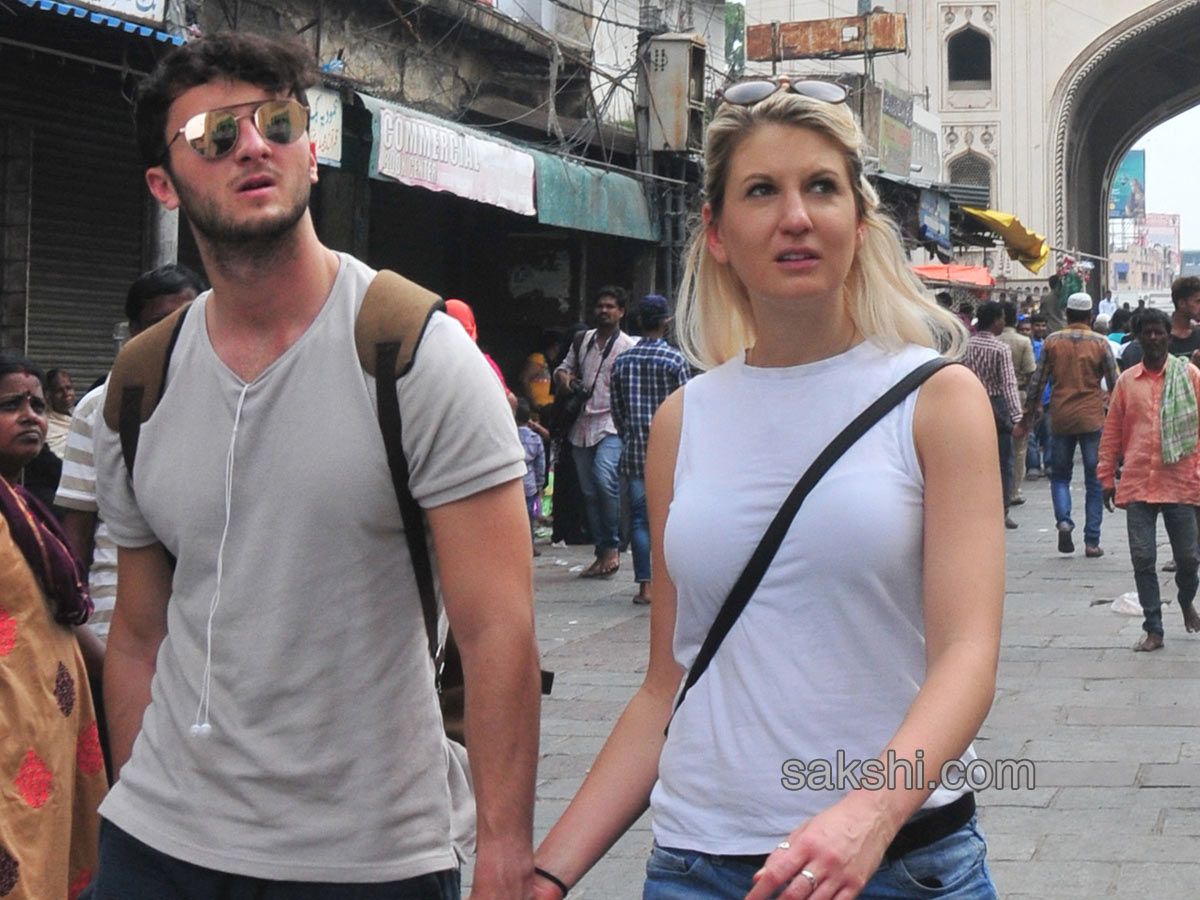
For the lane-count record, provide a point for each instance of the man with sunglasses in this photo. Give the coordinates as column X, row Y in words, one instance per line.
column 271, row 704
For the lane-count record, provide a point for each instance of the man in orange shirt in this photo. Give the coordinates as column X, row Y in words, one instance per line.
column 1151, row 432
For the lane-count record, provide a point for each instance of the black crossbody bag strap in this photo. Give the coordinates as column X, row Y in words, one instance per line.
column 743, row 589
column 600, row 368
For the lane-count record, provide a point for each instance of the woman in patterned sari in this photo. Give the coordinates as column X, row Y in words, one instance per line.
column 51, row 768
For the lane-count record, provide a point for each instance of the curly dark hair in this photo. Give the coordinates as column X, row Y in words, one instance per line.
column 273, row 64
column 615, row 291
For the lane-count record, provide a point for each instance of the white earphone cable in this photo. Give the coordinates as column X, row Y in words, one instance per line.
column 202, row 727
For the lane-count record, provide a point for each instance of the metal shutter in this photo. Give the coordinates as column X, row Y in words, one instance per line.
column 87, row 209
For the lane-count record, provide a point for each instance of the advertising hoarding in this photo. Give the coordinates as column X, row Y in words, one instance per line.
column 1127, row 199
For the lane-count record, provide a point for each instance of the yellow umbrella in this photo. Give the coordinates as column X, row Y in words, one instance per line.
column 1023, row 245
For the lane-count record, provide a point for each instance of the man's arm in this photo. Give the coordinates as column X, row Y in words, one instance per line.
column 571, row 366
column 682, row 373
column 139, row 625
column 80, row 526
column 92, row 649
column 482, row 547
column 1037, row 384
column 1027, row 365
column 616, row 401
column 1110, row 366
column 1009, row 377
column 1112, row 445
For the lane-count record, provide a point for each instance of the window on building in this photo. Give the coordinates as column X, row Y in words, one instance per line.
column 973, row 169
column 969, row 55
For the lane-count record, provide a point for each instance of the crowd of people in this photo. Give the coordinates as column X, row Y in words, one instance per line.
column 1117, row 388
column 295, row 482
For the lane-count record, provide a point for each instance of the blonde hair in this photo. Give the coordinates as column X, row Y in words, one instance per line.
column 885, row 300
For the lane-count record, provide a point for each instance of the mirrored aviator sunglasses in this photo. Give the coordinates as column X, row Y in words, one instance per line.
column 754, row 90
column 213, row 134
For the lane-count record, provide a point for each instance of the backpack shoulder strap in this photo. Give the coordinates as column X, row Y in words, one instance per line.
column 138, row 380
column 394, row 311
column 387, row 332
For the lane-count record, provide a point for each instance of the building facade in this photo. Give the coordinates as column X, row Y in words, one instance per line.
column 1037, row 101
column 489, row 152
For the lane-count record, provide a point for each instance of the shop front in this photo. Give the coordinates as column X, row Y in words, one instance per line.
column 522, row 235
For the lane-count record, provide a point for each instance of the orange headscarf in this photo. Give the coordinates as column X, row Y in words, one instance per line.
column 459, row 310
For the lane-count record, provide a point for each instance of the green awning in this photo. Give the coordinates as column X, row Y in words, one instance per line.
column 575, row 195
column 481, row 166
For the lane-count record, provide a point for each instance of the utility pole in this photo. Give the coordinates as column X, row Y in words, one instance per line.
column 670, row 97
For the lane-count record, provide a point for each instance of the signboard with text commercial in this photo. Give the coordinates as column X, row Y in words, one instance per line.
column 436, row 155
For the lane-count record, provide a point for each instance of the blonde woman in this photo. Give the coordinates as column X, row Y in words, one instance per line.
column 874, row 634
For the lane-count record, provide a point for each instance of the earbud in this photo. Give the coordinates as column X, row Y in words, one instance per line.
column 201, row 730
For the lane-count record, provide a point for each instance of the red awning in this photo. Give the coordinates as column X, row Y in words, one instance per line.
column 978, row 276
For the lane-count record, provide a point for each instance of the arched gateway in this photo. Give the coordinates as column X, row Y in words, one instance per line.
column 1141, row 72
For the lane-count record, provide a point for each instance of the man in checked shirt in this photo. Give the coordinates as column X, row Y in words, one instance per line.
column 642, row 378
column 991, row 361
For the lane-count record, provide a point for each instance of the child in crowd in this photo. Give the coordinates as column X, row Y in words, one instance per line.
column 535, row 465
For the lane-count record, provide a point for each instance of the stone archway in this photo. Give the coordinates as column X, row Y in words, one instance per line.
column 1139, row 73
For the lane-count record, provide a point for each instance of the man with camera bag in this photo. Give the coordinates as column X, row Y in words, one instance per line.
column 593, row 438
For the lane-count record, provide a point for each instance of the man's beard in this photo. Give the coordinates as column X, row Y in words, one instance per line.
column 231, row 239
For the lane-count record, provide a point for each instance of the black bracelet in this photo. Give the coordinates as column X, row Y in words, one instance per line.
column 554, row 880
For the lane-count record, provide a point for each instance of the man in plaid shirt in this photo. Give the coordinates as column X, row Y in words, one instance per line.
column 991, row 360
column 642, row 378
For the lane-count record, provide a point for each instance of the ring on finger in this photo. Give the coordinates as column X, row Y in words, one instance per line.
column 783, row 845
column 812, row 879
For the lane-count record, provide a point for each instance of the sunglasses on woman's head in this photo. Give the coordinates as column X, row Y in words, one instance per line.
column 214, row 134
column 751, row 91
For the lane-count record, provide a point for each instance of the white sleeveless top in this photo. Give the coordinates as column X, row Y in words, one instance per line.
column 830, row 652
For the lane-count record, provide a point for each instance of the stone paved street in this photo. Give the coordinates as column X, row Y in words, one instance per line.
column 1115, row 736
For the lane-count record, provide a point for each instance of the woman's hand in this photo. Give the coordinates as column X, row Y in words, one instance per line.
column 545, row 890
column 830, row 857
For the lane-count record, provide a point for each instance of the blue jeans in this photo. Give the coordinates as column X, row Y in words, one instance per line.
column 1141, row 521
column 129, row 869
column 639, row 530
column 954, row 868
column 1005, row 441
column 600, row 484
column 1062, row 460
